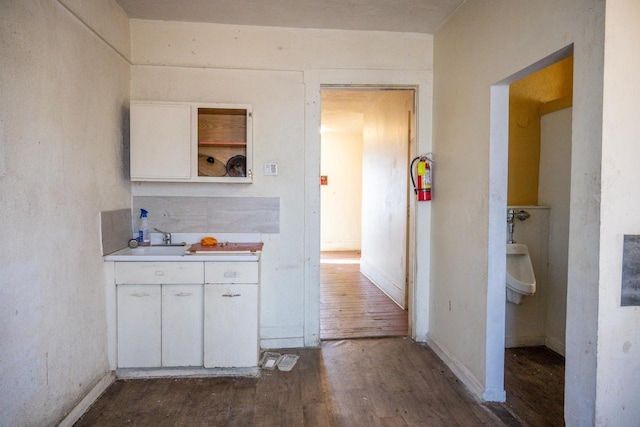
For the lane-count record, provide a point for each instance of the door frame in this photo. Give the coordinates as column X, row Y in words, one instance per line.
column 419, row 222
column 497, row 231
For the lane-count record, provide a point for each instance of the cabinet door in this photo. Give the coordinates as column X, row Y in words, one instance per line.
column 182, row 317
column 160, row 141
column 139, row 337
column 231, row 326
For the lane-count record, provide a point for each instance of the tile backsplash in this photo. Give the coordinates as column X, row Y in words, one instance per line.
column 115, row 229
column 215, row 214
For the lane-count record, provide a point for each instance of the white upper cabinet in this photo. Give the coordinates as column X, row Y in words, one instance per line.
column 191, row 142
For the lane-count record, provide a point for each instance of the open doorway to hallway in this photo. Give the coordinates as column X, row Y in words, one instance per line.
column 367, row 135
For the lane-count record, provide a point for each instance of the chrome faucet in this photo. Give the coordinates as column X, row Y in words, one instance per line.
column 510, row 215
column 166, row 238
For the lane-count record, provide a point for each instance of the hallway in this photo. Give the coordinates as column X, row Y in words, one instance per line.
column 353, row 307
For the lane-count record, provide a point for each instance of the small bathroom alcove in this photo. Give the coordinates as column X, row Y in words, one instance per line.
column 539, row 181
column 525, row 322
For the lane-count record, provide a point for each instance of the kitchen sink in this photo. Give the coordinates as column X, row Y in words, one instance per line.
column 169, row 250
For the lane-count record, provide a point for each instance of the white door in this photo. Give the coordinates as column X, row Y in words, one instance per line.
column 182, row 317
column 231, row 326
column 139, row 337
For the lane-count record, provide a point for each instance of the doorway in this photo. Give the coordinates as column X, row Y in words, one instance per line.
column 366, row 137
column 543, row 188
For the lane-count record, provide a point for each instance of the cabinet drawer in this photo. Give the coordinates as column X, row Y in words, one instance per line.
column 231, row 272
column 156, row 273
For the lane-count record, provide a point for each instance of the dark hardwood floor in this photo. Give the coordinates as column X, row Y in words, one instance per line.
column 364, row 382
column 534, row 382
column 353, row 307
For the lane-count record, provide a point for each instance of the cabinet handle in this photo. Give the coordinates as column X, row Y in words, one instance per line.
column 230, row 274
column 159, row 273
column 183, row 294
column 139, row 294
column 230, row 295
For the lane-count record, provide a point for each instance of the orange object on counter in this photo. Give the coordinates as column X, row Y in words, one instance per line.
column 209, row 241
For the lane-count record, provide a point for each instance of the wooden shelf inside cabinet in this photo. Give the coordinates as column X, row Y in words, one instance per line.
column 222, row 125
column 223, row 143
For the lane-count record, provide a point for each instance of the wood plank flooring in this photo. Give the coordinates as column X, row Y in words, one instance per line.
column 365, row 382
column 353, row 307
column 534, row 382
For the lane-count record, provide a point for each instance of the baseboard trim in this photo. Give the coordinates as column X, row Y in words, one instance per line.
column 88, row 400
column 528, row 341
column 385, row 284
column 133, row 373
column 275, row 343
column 463, row 374
column 555, row 345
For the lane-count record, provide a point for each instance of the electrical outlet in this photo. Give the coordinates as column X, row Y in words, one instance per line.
column 271, row 169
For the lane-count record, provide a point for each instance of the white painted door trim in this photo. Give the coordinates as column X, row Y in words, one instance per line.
column 420, row 223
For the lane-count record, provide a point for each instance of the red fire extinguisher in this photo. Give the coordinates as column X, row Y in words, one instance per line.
column 423, row 187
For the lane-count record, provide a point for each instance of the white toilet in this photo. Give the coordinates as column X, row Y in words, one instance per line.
column 521, row 281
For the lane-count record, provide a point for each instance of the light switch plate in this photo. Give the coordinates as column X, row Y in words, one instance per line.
column 270, row 169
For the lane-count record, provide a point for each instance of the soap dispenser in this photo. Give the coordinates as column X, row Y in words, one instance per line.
column 143, row 229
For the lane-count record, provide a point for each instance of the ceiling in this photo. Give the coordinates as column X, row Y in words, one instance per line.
column 419, row 16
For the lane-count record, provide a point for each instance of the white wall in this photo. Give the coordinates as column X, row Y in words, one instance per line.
column 384, row 192
column 554, row 190
column 618, row 377
column 482, row 44
column 63, row 135
column 341, row 219
column 280, row 71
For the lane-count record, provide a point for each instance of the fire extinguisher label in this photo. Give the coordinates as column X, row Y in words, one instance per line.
column 424, row 176
column 423, row 187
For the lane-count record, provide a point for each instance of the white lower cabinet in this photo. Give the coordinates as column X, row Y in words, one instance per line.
column 139, row 333
column 231, row 325
column 187, row 314
column 182, row 317
column 160, row 325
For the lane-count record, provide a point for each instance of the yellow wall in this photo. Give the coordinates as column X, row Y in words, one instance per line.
column 547, row 90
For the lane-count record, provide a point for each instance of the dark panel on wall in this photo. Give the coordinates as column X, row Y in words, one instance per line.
column 630, row 295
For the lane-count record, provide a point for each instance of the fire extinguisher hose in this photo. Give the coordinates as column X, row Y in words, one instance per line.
column 413, row 181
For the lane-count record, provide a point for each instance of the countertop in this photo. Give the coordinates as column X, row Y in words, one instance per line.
column 234, row 252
